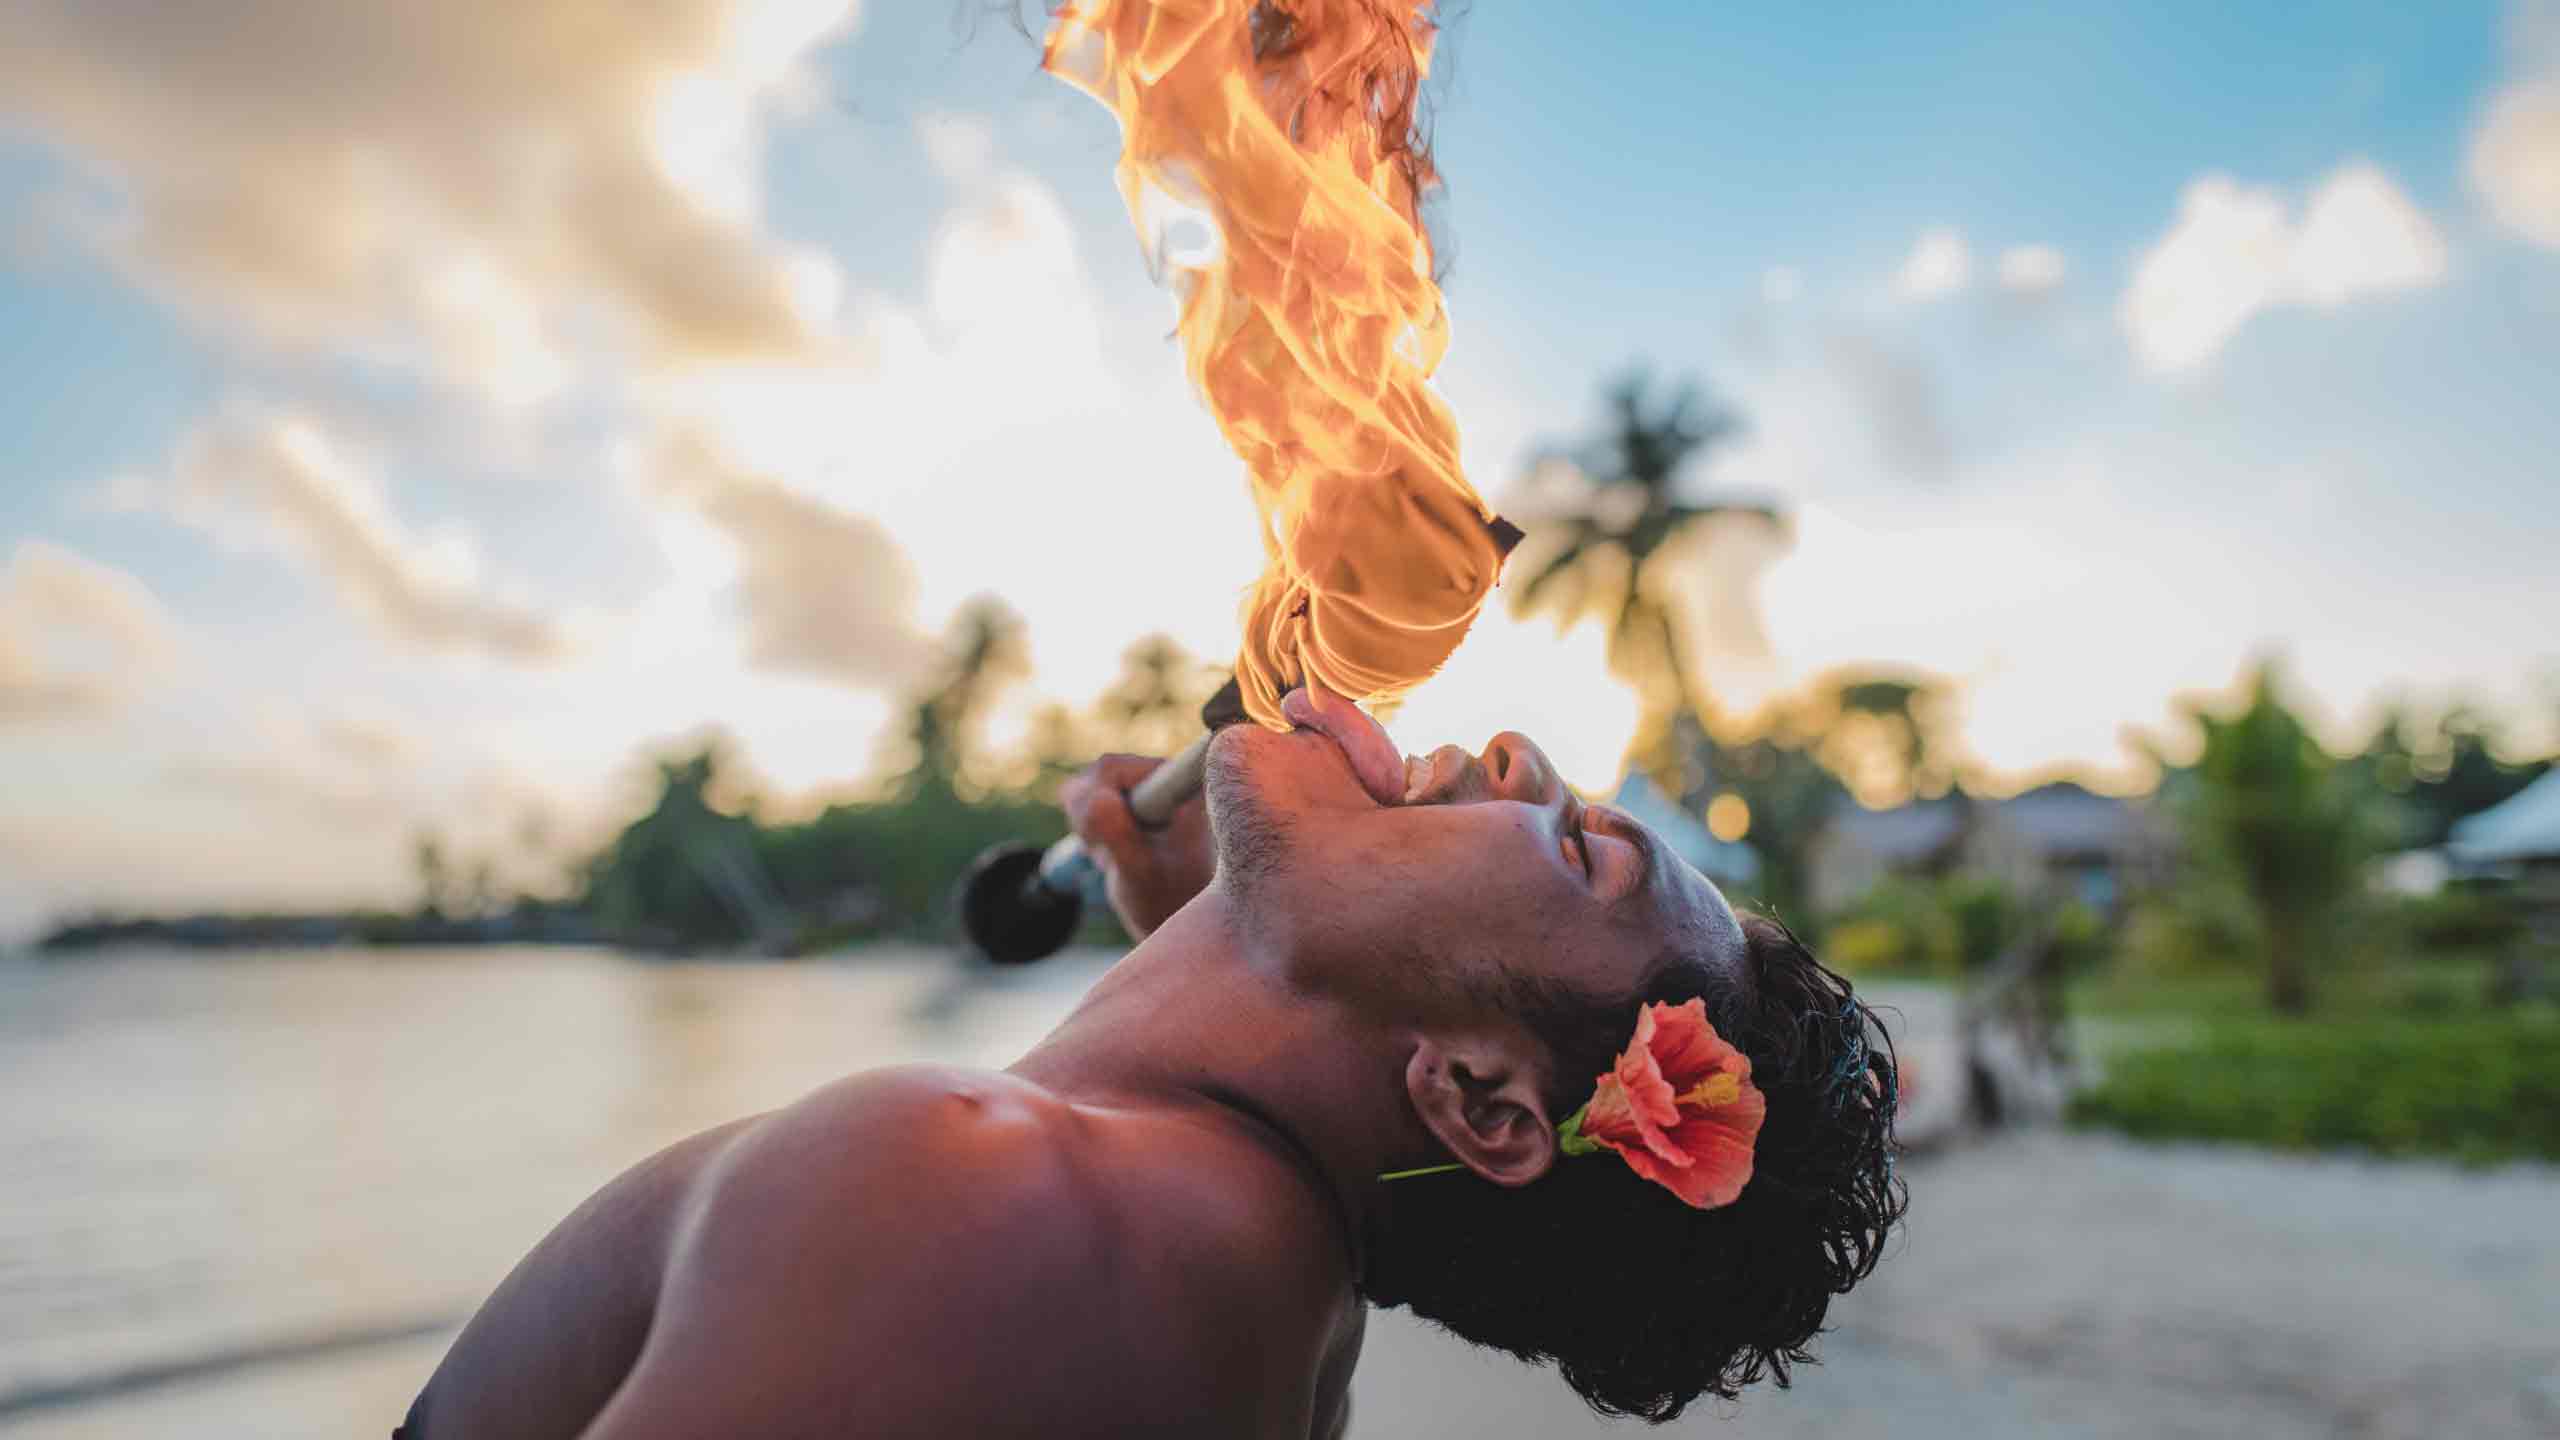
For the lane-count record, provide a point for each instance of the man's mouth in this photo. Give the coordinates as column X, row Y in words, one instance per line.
column 1386, row 775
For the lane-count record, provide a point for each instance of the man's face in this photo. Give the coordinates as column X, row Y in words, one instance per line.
column 1424, row 886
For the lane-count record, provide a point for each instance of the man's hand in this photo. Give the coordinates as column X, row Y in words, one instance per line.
column 1149, row 874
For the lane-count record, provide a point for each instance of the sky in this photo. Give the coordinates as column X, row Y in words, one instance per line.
column 411, row 413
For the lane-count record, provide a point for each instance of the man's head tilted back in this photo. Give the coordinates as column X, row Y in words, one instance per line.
column 1506, row 934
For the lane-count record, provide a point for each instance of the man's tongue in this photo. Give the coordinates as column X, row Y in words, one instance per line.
column 1363, row 741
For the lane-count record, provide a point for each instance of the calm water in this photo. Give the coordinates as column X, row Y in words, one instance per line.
column 216, row 1165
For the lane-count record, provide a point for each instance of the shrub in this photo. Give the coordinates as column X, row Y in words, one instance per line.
column 1899, row 927
column 1944, row 927
column 1868, row 947
column 2198, row 928
column 2480, row 1087
column 2461, row 920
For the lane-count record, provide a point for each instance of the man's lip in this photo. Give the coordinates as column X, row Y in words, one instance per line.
column 1362, row 740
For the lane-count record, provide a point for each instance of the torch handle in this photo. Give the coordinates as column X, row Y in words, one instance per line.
column 1170, row 786
column 1019, row 903
column 1153, row 801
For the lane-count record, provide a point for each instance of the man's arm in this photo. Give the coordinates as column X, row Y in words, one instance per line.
column 1148, row 873
column 917, row 1263
column 549, row 1346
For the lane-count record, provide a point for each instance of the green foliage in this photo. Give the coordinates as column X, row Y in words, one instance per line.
column 1791, row 795
column 2459, row 922
column 2270, row 810
column 2081, row 939
column 2202, row 927
column 667, row 879
column 1942, row 928
column 699, row 869
column 2476, row 1086
column 2401, row 1057
column 904, row 854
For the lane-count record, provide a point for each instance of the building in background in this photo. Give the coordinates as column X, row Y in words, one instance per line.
column 2059, row 840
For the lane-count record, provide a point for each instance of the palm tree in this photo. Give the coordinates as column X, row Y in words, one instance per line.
column 1597, row 556
column 1155, row 704
column 2273, row 808
column 1888, row 733
column 988, row 652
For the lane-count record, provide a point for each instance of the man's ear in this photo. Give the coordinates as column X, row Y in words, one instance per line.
column 1479, row 1096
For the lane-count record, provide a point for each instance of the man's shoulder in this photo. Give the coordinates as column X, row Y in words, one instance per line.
column 938, row 1148
column 916, row 1148
column 1117, row 1253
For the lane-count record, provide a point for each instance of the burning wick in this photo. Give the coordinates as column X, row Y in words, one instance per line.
column 1271, row 161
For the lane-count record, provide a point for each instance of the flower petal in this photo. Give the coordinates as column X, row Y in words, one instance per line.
column 1688, row 1049
column 1679, row 1107
column 1719, row 1143
column 1610, row 1117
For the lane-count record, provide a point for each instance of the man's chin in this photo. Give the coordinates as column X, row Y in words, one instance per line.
column 1286, row 772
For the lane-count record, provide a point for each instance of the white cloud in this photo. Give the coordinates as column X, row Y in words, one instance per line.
column 1895, row 395
column 822, row 592
column 348, row 763
column 1781, row 283
column 2236, row 251
column 73, row 633
column 1939, row 264
column 285, row 482
column 2513, row 158
column 2362, row 236
column 2032, row 269
column 467, row 185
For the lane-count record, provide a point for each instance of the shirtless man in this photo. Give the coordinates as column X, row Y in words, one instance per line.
column 1167, row 1219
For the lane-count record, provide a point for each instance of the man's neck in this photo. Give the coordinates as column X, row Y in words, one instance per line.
column 1192, row 1018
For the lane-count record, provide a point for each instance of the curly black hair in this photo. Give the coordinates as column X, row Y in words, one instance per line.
column 1641, row 1302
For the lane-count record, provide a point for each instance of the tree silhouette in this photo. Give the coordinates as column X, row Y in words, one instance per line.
column 435, row 874
column 1597, row 557
column 2271, row 806
column 988, row 653
column 1154, row 707
column 2437, row 769
column 1889, row 734
column 672, row 878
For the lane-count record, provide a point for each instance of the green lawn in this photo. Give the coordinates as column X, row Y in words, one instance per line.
column 2395, row 1059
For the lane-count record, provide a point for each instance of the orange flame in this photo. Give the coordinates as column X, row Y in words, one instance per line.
column 1270, row 159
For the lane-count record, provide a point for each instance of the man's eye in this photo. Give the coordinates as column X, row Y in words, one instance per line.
column 1577, row 851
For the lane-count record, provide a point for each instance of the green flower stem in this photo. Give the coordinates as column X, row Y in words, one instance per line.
column 1569, row 1140
column 1425, row 1170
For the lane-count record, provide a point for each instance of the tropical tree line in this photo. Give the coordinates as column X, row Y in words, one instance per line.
column 711, row 863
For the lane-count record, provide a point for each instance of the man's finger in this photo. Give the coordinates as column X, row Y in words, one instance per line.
column 1122, row 771
column 1096, row 810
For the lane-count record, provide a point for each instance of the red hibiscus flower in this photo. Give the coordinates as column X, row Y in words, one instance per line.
column 1679, row 1107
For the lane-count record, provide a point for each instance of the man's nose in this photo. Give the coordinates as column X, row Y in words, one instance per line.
column 1519, row 769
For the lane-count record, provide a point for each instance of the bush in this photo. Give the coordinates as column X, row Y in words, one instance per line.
column 2461, row 920
column 1869, row 947
column 2199, row 928
column 1899, row 927
column 2480, row 1087
column 1943, row 928
column 2081, row 940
